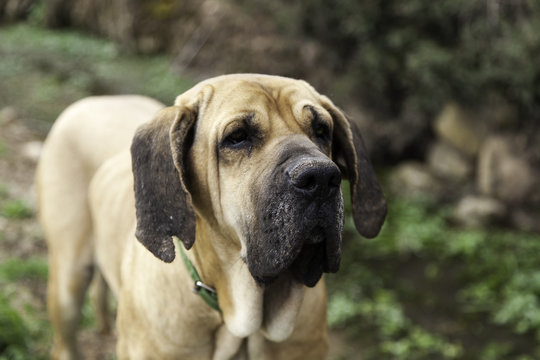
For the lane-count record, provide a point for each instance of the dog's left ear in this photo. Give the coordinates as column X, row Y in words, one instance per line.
column 349, row 152
column 163, row 204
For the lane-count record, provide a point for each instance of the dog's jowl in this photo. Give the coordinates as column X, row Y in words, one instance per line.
column 234, row 191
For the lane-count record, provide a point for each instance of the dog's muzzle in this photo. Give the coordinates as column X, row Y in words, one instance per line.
column 300, row 222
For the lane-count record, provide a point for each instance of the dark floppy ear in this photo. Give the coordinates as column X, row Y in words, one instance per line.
column 349, row 152
column 162, row 201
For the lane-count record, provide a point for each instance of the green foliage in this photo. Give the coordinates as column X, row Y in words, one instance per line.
column 4, row 192
column 16, row 209
column 24, row 331
column 507, row 281
column 422, row 287
column 43, row 71
column 13, row 331
column 3, row 149
column 13, row 208
column 12, row 270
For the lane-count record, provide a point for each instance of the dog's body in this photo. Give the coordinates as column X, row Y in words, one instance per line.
column 240, row 170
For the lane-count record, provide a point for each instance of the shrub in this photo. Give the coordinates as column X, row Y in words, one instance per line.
column 406, row 59
column 425, row 289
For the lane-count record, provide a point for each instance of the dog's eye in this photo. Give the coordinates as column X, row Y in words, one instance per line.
column 321, row 131
column 237, row 138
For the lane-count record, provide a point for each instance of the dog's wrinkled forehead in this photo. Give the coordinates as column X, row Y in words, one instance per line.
column 223, row 98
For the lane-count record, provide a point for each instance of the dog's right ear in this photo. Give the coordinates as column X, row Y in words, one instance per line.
column 163, row 204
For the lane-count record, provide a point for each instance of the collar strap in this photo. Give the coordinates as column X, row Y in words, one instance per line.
column 207, row 293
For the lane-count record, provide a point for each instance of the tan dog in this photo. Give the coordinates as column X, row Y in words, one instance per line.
column 245, row 170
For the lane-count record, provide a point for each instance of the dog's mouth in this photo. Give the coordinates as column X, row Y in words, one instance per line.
column 319, row 253
column 308, row 267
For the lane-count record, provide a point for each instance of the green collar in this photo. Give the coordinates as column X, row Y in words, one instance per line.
column 207, row 293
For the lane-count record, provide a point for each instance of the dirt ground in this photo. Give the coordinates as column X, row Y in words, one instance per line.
column 20, row 148
column 23, row 238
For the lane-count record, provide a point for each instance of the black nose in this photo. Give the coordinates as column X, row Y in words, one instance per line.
column 317, row 178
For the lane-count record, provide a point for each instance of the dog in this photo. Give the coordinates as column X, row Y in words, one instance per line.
column 236, row 187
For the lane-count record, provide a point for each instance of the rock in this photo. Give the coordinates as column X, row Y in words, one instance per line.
column 447, row 162
column 453, row 125
column 479, row 211
column 526, row 220
column 32, row 150
column 504, row 172
column 8, row 115
column 498, row 114
column 412, row 179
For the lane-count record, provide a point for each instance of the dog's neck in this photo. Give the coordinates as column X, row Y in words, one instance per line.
column 246, row 306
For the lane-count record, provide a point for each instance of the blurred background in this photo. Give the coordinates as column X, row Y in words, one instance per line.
column 447, row 94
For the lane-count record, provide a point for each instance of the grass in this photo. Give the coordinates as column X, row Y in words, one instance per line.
column 43, row 71
column 13, row 270
column 12, row 209
column 4, row 191
column 16, row 209
column 24, row 329
column 3, row 149
column 13, row 330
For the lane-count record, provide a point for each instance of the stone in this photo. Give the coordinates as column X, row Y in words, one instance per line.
column 412, row 179
column 479, row 211
column 8, row 115
column 453, row 125
column 504, row 172
column 447, row 162
column 526, row 220
column 32, row 150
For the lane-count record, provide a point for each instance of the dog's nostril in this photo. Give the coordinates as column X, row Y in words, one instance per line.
column 307, row 182
column 315, row 180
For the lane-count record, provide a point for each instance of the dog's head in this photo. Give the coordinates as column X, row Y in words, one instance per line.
column 260, row 159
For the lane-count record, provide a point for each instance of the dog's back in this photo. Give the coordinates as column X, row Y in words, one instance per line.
column 85, row 135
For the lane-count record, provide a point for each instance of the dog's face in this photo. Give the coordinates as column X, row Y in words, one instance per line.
column 270, row 179
column 261, row 159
